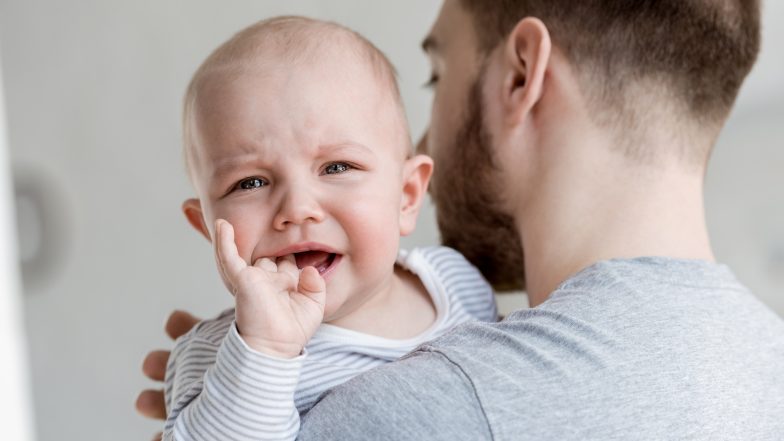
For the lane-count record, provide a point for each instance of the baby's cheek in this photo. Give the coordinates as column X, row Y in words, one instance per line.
column 244, row 237
column 373, row 243
column 376, row 238
column 250, row 227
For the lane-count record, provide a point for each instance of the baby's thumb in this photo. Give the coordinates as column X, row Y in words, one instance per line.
column 312, row 284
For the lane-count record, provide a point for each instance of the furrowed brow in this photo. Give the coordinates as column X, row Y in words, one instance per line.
column 226, row 166
column 349, row 146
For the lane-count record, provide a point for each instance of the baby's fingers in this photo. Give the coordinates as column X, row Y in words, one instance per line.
column 288, row 265
column 266, row 264
column 312, row 284
column 228, row 257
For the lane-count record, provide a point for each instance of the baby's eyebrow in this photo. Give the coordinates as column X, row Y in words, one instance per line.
column 345, row 146
column 224, row 166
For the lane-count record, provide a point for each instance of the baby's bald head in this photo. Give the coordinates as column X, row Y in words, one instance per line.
column 289, row 42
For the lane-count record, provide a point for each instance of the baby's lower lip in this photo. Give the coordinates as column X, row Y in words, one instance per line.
column 327, row 272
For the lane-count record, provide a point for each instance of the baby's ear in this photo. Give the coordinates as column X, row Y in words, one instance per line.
column 192, row 210
column 416, row 175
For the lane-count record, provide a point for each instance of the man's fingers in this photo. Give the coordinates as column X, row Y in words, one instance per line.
column 158, row 437
column 150, row 403
column 154, row 365
column 226, row 249
column 179, row 323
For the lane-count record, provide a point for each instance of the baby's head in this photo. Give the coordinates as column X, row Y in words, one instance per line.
column 294, row 133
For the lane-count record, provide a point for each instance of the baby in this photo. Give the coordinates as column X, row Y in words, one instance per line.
column 298, row 148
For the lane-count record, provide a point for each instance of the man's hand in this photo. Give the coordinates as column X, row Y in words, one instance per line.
column 278, row 307
column 150, row 402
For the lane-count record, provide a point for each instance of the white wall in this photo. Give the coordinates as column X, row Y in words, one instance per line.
column 15, row 404
column 93, row 90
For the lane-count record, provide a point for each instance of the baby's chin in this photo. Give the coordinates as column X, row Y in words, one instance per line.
column 339, row 304
column 331, row 312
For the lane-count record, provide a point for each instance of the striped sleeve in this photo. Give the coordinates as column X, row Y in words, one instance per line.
column 244, row 395
column 470, row 295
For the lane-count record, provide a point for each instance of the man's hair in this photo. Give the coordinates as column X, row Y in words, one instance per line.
column 700, row 50
column 289, row 40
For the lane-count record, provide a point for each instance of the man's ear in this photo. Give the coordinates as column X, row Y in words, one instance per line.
column 416, row 175
column 192, row 210
column 526, row 55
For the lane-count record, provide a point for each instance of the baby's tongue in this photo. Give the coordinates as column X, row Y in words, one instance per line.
column 312, row 258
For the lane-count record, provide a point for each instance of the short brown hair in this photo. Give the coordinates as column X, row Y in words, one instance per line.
column 702, row 49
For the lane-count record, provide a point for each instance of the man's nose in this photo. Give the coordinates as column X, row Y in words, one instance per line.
column 298, row 207
column 421, row 146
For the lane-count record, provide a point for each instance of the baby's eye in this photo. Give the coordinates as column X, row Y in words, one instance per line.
column 251, row 183
column 336, row 168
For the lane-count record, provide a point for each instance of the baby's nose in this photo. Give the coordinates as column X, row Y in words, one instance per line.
column 297, row 208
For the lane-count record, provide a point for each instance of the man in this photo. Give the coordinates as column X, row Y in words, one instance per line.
column 585, row 136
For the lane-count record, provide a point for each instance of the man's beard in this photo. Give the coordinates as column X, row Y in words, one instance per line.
column 466, row 193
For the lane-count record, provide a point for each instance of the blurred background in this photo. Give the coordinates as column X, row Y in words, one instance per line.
column 92, row 98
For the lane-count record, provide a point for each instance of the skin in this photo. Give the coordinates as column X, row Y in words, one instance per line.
column 556, row 165
column 566, row 168
column 574, row 198
column 466, row 177
column 291, row 164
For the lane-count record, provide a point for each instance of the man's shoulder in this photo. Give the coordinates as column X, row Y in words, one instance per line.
column 613, row 312
column 422, row 396
column 622, row 340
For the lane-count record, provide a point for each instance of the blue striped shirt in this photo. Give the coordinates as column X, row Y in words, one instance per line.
column 218, row 388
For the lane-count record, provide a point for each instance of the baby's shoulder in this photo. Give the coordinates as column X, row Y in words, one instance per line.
column 447, row 273
column 445, row 262
column 439, row 258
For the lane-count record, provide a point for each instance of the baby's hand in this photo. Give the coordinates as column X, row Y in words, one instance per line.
column 279, row 307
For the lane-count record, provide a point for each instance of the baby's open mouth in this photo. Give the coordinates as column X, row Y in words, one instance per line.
column 320, row 260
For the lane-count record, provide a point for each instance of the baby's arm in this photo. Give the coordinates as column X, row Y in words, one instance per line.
column 249, row 391
column 242, row 395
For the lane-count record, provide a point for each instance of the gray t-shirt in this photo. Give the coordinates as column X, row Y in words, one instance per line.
column 645, row 349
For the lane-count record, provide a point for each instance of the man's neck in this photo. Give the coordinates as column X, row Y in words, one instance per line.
column 610, row 210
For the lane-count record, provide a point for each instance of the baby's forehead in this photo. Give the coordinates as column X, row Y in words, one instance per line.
column 295, row 42
column 304, row 49
column 304, row 52
column 316, row 91
column 285, row 106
